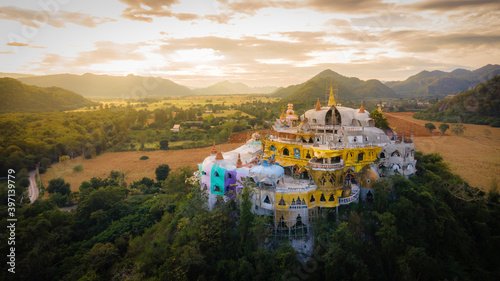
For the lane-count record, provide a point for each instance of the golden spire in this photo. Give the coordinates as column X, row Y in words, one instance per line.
column 331, row 100
column 361, row 109
column 318, row 105
column 283, row 116
column 379, row 109
column 214, row 150
column 239, row 164
column 219, row 155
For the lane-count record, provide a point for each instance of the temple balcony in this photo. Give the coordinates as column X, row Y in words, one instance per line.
column 355, row 190
column 321, row 166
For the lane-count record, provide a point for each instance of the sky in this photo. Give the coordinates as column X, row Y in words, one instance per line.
column 260, row 43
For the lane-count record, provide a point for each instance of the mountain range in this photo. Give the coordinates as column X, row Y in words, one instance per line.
column 478, row 106
column 440, row 84
column 19, row 97
column 91, row 85
column 349, row 88
column 426, row 83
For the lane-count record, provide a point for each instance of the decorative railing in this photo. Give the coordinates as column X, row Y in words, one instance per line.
column 324, row 127
column 314, row 165
column 354, row 196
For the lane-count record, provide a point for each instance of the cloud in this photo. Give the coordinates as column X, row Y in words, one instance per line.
column 18, row 44
column 448, row 5
column 103, row 52
column 57, row 19
column 6, row 53
column 145, row 10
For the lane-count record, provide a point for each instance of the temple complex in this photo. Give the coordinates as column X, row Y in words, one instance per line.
column 329, row 156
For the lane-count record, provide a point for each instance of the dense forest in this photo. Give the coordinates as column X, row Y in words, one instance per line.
column 478, row 106
column 18, row 97
column 432, row 226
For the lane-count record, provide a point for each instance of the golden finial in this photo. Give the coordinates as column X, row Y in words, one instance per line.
column 214, row 150
column 379, row 109
column 331, row 100
column 219, row 155
column 361, row 109
column 239, row 164
column 283, row 116
column 318, row 105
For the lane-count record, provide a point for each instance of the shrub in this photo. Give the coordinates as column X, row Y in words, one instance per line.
column 162, row 172
column 78, row 168
column 144, row 158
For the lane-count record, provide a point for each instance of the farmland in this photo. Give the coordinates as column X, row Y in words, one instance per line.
column 475, row 156
column 129, row 163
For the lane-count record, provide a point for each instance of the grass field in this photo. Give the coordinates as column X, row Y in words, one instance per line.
column 129, row 163
column 186, row 102
column 475, row 156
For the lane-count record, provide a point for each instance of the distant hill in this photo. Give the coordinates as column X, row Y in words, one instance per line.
column 349, row 88
column 19, row 97
column 14, row 75
column 441, row 84
column 227, row 88
column 478, row 106
column 130, row 86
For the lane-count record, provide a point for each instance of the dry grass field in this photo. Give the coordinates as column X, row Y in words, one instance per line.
column 129, row 163
column 475, row 156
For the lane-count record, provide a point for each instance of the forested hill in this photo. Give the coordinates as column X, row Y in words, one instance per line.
column 19, row 97
column 349, row 88
column 130, row 86
column 478, row 106
column 440, row 83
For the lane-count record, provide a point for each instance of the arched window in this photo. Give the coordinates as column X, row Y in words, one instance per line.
column 331, row 199
column 322, row 199
column 396, row 154
column 216, row 188
column 355, row 139
column 273, row 148
column 308, row 155
column 282, row 202
column 360, row 156
column 216, row 174
column 267, row 200
column 312, row 198
column 229, row 176
column 286, row 152
column 382, row 155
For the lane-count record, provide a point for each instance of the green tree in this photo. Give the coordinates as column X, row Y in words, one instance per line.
column 430, row 127
column 164, row 144
column 458, row 129
column 443, row 127
column 380, row 121
column 59, row 186
column 162, row 172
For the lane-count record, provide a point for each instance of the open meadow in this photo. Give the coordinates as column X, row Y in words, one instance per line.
column 475, row 156
column 129, row 163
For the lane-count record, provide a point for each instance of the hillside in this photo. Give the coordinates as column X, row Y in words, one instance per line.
column 349, row 88
column 441, row 84
column 130, row 86
column 478, row 106
column 228, row 88
column 19, row 97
